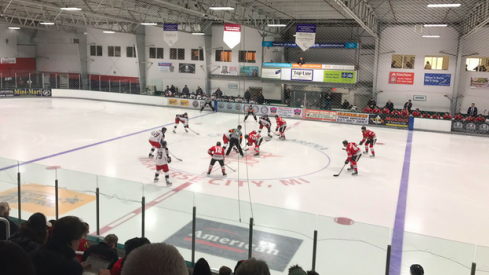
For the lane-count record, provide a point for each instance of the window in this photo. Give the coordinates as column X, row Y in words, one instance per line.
column 156, row 53
column 114, row 51
column 224, row 56
column 477, row 64
column 400, row 61
column 247, row 56
column 95, row 50
column 197, row 54
column 131, row 51
column 433, row 62
column 177, row 54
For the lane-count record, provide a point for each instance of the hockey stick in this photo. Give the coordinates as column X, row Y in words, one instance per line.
column 193, row 131
column 230, row 167
column 340, row 171
column 175, row 157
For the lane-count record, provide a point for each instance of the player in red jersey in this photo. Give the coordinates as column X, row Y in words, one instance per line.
column 396, row 113
column 250, row 111
column 417, row 113
column 155, row 140
column 162, row 160
column 217, row 154
column 376, row 110
column 369, row 138
column 436, row 116
column 265, row 122
column 426, row 115
column 447, row 116
column 405, row 113
column 354, row 155
column 367, row 110
column 255, row 138
column 386, row 111
column 480, row 118
column 281, row 126
column 183, row 119
column 459, row 116
column 470, row 119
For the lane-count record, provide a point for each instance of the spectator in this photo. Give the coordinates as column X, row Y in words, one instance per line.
column 389, row 105
column 58, row 256
column 253, row 266
column 168, row 92
column 155, row 259
column 408, row 105
column 329, row 100
column 480, row 118
column 14, row 260
column 395, row 113
column 312, row 272
column 386, row 111
column 410, row 63
column 247, row 96
column 5, row 213
column 472, row 111
column 237, row 265
column 287, row 96
column 105, row 250
column 301, row 61
column 83, row 246
column 199, row 91
column 417, row 113
column 346, row 105
column 224, row 270
column 447, row 116
column 185, row 91
column 202, row 268
column 376, row 110
column 470, row 119
column 427, row 66
column 33, row 233
column 371, row 103
column 436, row 116
column 393, row 64
column 459, row 116
column 426, row 115
column 129, row 246
column 367, row 110
column 261, row 98
column 173, row 90
column 296, row 270
column 405, row 112
column 416, row 269
column 218, row 93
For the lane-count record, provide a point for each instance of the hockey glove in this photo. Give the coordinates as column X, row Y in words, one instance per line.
column 168, row 159
column 361, row 142
column 346, row 161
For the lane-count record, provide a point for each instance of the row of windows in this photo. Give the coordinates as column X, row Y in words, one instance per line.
column 112, row 51
column 477, row 64
column 244, row 56
column 431, row 62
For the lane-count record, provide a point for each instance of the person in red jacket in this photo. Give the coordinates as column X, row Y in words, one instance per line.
column 426, row 115
column 367, row 110
column 376, row 110
column 129, row 246
column 459, row 116
column 480, row 118
column 447, row 116
column 396, row 113
column 386, row 111
column 436, row 116
column 405, row 112
column 470, row 119
column 417, row 113
column 83, row 245
column 217, row 154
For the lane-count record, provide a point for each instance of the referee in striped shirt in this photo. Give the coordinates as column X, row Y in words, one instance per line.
column 236, row 138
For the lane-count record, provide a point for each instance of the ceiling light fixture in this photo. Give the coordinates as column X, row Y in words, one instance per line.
column 109, row 32
column 435, row 25
column 198, row 33
column 47, row 23
column 444, row 5
column 431, row 36
column 149, row 24
column 277, row 25
column 13, row 28
column 71, row 9
column 222, row 8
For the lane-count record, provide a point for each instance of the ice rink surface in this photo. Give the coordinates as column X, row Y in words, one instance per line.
column 289, row 189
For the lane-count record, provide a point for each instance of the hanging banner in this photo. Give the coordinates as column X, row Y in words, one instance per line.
column 345, row 45
column 301, row 75
column 479, row 82
column 271, row 73
column 437, row 79
column 305, row 36
column 170, row 33
column 5, row 60
column 401, row 78
column 165, row 67
column 232, row 35
column 340, row 76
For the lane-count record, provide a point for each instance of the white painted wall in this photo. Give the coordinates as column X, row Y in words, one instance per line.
column 8, row 49
column 55, row 53
column 403, row 40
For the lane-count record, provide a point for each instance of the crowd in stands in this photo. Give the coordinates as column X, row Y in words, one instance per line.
column 172, row 91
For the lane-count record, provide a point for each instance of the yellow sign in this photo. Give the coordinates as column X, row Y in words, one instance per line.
column 40, row 198
column 173, row 101
column 184, row 102
column 353, row 115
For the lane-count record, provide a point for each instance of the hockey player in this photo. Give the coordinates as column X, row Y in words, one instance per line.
column 236, row 138
column 255, row 138
column 183, row 119
column 369, row 138
column 217, row 154
column 354, row 155
column 155, row 139
column 208, row 102
column 250, row 111
column 265, row 121
column 281, row 126
column 162, row 160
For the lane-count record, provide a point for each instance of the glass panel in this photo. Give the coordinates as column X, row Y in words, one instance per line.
column 8, row 184
column 482, row 259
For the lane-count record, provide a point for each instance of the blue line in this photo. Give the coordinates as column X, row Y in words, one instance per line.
column 398, row 232
column 91, row 145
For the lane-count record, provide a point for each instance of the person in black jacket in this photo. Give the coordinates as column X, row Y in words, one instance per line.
column 247, row 96
column 5, row 213
column 261, row 98
column 329, row 100
column 346, row 105
column 472, row 111
column 14, row 260
column 199, row 91
column 185, row 91
column 173, row 90
column 371, row 103
column 58, row 256
column 32, row 234
column 408, row 105
column 105, row 250
column 301, row 61
column 389, row 105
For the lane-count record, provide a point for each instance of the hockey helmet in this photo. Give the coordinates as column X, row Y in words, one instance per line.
column 364, row 128
column 163, row 143
column 276, row 116
column 163, row 129
column 246, row 136
column 218, row 143
column 345, row 142
column 239, row 127
column 185, row 114
column 417, row 269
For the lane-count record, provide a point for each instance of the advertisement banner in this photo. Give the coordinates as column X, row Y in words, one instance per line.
column 25, row 92
column 388, row 120
column 340, row 77
column 165, row 67
column 184, row 103
column 285, row 111
column 229, row 70
column 271, row 73
column 401, row 78
column 232, row 34
column 470, row 127
column 170, row 33
column 419, row 98
column 341, row 45
column 301, row 75
column 173, row 101
column 479, row 82
column 352, row 118
column 249, row 71
column 186, row 68
column 7, row 60
column 231, row 107
column 437, row 79
column 305, row 36
column 280, row 65
column 321, row 115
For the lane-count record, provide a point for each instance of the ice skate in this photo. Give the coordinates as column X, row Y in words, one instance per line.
column 372, row 156
column 150, row 155
column 355, row 173
column 186, row 130
column 156, row 179
column 350, row 169
column 174, row 131
column 365, row 152
column 224, row 174
column 168, row 183
column 209, row 173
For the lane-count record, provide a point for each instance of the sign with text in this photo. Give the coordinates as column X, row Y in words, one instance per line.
column 479, row 82
column 232, row 34
column 229, row 70
column 470, row 127
column 388, row 120
column 8, row 60
column 186, row 68
column 320, row 45
column 437, row 79
column 233, row 86
column 340, row 77
column 305, row 36
column 285, row 111
column 352, row 118
column 321, row 115
column 271, row 73
column 419, row 98
column 165, row 67
column 401, row 78
column 25, row 92
column 249, row 71
column 170, row 33
column 301, row 75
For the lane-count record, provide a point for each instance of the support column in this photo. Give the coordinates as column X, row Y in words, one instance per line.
column 376, row 66
column 83, row 55
column 141, row 55
column 208, row 57
column 456, row 77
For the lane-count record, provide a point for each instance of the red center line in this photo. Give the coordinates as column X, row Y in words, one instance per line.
column 216, row 245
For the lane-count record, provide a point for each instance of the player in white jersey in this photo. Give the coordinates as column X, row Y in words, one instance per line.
column 162, row 160
column 155, row 139
column 265, row 122
column 183, row 119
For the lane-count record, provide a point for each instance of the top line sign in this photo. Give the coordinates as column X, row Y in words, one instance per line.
column 342, row 45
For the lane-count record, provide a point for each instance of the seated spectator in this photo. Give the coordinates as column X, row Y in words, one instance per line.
column 376, row 110
column 405, row 112
column 129, row 246
column 155, row 259
column 185, row 91
column 480, row 118
column 367, row 110
column 408, row 105
column 346, row 105
column 218, row 93
column 83, row 246
column 396, row 113
column 237, row 265
column 5, row 213
column 58, row 256
column 389, row 105
column 459, row 116
column 14, row 260
column 436, row 116
column 371, row 103
column 202, row 268
column 426, row 115
column 173, row 90
column 33, row 233
column 386, row 111
column 312, row 272
column 105, row 250
column 224, row 270
column 253, row 266
column 470, row 119
column 417, row 113
column 261, row 98
column 301, row 61
column 199, row 91
column 447, row 116
column 296, row 270
column 416, row 269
